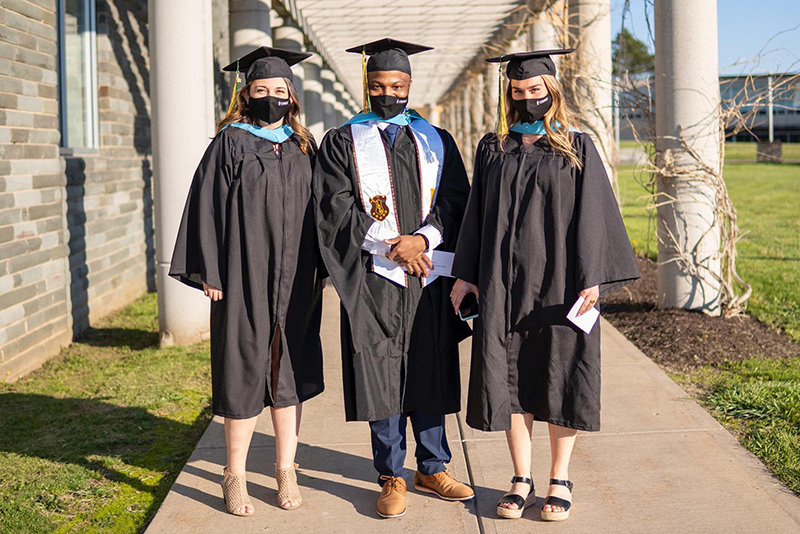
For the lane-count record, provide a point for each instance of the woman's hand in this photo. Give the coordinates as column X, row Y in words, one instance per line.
column 212, row 292
column 460, row 290
column 590, row 296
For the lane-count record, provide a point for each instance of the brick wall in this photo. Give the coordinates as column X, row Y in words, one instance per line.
column 109, row 200
column 76, row 231
column 34, row 300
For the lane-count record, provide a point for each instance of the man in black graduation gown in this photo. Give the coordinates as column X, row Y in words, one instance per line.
column 382, row 206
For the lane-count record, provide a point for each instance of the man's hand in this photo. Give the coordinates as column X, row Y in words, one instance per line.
column 419, row 267
column 409, row 251
column 212, row 292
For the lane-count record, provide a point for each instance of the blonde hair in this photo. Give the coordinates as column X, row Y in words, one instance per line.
column 241, row 113
column 559, row 137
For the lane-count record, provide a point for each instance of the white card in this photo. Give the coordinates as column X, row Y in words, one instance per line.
column 586, row 321
column 442, row 266
column 442, row 263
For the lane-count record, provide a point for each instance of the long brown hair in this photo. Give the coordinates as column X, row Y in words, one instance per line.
column 559, row 137
column 241, row 113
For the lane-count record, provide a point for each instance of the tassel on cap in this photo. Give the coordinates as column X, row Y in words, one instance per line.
column 366, row 107
column 502, row 122
column 236, row 82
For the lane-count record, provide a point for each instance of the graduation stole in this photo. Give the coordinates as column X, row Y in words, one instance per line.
column 375, row 184
column 535, row 128
column 278, row 135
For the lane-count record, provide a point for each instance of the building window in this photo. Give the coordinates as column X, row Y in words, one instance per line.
column 77, row 83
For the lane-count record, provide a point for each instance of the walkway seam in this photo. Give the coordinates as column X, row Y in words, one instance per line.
column 474, row 500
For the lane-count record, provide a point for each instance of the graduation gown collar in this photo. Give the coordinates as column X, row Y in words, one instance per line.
column 278, row 135
column 533, row 128
column 403, row 119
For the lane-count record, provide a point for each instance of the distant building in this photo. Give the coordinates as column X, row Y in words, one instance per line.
column 749, row 93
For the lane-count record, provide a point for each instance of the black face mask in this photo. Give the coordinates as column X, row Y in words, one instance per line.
column 388, row 106
column 532, row 109
column 269, row 109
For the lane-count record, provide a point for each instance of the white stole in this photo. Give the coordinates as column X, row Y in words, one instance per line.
column 377, row 189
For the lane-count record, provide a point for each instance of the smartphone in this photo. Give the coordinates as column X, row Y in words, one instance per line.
column 469, row 307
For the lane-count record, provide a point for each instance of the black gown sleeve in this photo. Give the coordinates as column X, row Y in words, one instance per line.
column 341, row 228
column 322, row 271
column 603, row 251
column 199, row 253
column 468, row 252
column 447, row 214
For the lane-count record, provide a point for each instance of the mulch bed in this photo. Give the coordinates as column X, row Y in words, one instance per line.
column 682, row 340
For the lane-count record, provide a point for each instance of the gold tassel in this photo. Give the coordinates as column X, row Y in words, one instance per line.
column 365, row 106
column 502, row 122
column 235, row 86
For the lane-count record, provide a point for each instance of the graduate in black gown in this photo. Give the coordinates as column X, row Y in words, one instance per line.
column 542, row 228
column 389, row 188
column 247, row 239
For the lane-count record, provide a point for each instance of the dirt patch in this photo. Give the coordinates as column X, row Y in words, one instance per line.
column 681, row 340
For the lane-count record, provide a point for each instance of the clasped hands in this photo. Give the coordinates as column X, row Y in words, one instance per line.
column 408, row 251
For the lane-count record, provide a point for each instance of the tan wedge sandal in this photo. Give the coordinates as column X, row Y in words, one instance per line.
column 234, row 492
column 287, row 487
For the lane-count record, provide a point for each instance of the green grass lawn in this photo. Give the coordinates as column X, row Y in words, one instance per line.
column 767, row 199
column 757, row 399
column 740, row 151
column 93, row 441
column 747, row 151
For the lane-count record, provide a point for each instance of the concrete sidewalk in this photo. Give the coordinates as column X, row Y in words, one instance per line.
column 660, row 464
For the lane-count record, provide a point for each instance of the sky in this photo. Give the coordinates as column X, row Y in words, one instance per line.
column 755, row 36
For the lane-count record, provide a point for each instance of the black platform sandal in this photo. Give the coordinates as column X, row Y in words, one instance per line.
column 513, row 498
column 558, row 501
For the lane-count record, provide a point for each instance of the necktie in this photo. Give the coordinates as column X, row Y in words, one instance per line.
column 391, row 131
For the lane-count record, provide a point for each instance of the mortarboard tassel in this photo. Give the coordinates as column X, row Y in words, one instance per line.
column 235, row 86
column 365, row 106
column 502, row 122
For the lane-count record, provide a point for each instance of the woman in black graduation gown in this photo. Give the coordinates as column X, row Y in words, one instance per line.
column 248, row 240
column 541, row 229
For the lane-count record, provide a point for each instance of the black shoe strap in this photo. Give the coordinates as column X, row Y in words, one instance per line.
column 523, row 480
column 560, row 482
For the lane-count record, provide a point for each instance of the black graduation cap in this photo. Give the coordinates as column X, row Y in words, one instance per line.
column 389, row 54
column 267, row 62
column 524, row 65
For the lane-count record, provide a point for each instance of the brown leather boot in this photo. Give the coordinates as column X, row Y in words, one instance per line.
column 392, row 502
column 444, row 485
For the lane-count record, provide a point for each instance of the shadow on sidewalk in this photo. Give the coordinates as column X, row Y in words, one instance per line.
column 332, row 470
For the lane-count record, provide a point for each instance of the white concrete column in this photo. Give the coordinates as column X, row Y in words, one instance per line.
column 491, row 90
column 520, row 44
column 312, row 89
column 180, row 50
column 328, row 98
column 339, row 104
column 352, row 107
column 477, row 107
column 466, row 128
column 687, row 104
column 590, row 26
column 545, row 28
column 250, row 26
column 436, row 115
column 289, row 37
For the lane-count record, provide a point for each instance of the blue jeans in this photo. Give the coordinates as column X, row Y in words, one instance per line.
column 389, row 444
